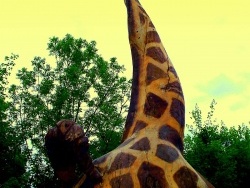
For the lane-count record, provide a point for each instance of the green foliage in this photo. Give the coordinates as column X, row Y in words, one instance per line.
column 81, row 86
column 12, row 159
column 219, row 153
column 5, row 70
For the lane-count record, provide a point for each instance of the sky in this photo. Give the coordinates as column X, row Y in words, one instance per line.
column 208, row 42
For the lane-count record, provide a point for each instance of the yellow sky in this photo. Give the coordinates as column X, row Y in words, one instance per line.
column 207, row 41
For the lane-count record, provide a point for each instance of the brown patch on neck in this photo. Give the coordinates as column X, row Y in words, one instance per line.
column 157, row 54
column 168, row 133
column 123, row 181
column 122, row 160
column 154, row 73
column 152, row 36
column 151, row 176
column 139, row 126
column 185, row 178
column 154, row 105
column 177, row 110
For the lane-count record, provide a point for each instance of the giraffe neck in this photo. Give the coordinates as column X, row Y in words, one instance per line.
column 157, row 98
column 150, row 155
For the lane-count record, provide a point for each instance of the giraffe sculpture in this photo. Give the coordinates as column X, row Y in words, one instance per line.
column 151, row 152
column 150, row 155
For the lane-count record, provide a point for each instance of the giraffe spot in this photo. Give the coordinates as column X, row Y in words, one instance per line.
column 124, row 181
column 154, row 105
column 139, row 126
column 125, row 142
column 152, row 36
column 151, row 24
column 142, row 145
column 122, row 160
column 177, row 110
column 170, row 134
column 186, row 178
column 101, row 159
column 174, row 87
column 166, row 153
column 157, row 54
column 171, row 69
column 150, row 176
column 142, row 19
column 154, row 73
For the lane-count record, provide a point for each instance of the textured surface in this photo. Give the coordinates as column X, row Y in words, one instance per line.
column 151, row 153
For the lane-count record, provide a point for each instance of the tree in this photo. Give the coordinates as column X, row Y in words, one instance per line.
column 12, row 159
column 219, row 153
column 90, row 91
column 81, row 86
